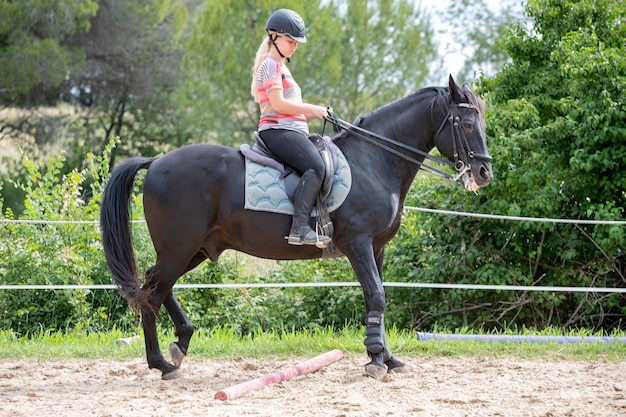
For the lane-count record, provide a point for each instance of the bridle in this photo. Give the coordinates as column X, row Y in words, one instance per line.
column 459, row 142
column 459, row 138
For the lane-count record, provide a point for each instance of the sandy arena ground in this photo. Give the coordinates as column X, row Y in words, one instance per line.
column 446, row 387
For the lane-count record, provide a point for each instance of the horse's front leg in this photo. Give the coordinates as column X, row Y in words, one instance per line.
column 393, row 365
column 361, row 256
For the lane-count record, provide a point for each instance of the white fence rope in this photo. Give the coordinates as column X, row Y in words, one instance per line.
column 88, row 222
column 516, row 218
column 408, row 208
column 348, row 284
column 333, row 284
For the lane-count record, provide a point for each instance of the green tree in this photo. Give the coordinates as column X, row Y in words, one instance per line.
column 33, row 55
column 115, row 64
column 133, row 53
column 479, row 38
column 78, row 74
column 556, row 128
column 359, row 54
column 569, row 70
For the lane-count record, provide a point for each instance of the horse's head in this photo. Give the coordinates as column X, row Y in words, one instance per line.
column 461, row 137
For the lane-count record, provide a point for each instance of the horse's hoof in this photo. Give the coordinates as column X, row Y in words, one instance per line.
column 175, row 374
column 176, row 354
column 399, row 370
column 375, row 371
column 397, row 367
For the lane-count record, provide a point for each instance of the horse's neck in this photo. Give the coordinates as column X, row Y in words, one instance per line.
column 407, row 120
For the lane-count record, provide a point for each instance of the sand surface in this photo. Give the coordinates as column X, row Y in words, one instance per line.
column 438, row 386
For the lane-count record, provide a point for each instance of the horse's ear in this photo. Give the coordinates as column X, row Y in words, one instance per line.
column 455, row 91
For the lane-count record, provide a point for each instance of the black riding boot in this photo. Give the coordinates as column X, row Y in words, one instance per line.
column 306, row 193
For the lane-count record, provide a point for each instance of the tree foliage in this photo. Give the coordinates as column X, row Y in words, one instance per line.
column 476, row 32
column 569, row 69
column 33, row 55
column 133, row 53
column 79, row 73
column 56, row 254
column 114, row 63
column 556, row 129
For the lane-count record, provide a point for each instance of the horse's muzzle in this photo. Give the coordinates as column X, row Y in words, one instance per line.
column 478, row 176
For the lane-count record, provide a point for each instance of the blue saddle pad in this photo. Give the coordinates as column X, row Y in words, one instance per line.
column 265, row 188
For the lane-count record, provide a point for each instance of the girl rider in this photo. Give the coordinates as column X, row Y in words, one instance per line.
column 283, row 122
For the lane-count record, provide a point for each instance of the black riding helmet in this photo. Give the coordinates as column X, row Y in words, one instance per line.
column 287, row 22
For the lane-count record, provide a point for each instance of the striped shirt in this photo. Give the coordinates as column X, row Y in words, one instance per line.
column 273, row 75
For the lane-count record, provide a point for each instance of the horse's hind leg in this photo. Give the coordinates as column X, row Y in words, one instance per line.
column 184, row 329
column 153, row 353
column 159, row 282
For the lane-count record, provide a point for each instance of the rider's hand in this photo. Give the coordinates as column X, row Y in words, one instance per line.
column 333, row 119
column 318, row 111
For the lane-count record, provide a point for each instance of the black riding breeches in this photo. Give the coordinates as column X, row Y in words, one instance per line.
column 294, row 149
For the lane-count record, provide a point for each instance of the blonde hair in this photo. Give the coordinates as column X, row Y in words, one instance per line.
column 261, row 53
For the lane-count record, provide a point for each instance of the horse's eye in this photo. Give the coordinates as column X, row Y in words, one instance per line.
column 467, row 125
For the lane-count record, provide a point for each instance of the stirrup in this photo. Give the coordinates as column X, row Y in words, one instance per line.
column 319, row 241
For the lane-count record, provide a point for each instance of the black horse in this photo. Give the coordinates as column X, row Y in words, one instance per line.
column 194, row 207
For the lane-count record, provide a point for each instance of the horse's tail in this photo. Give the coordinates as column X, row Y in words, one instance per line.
column 116, row 231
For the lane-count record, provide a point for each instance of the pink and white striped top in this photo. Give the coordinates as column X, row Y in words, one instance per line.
column 272, row 75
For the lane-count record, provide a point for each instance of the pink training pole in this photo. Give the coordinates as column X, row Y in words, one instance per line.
column 311, row 365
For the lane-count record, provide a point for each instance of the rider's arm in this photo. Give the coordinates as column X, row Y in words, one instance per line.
column 289, row 107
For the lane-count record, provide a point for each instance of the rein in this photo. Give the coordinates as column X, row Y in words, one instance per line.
column 459, row 139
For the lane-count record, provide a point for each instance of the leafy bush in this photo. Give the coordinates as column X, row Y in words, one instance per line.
column 61, row 254
column 322, row 306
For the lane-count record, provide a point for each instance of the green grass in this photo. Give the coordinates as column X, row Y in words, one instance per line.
column 224, row 343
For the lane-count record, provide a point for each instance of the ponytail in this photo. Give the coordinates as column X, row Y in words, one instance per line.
column 261, row 53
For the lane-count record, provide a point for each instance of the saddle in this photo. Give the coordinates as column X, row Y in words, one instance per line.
column 262, row 155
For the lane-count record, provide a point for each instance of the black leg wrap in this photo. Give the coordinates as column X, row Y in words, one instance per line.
column 374, row 332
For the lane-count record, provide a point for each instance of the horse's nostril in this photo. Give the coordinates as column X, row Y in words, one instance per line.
column 485, row 174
